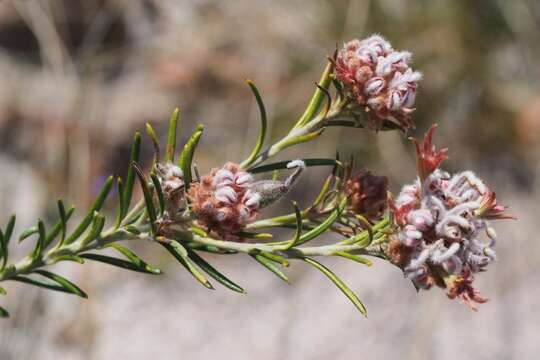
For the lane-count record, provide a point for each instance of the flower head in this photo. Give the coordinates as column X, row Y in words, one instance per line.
column 228, row 198
column 223, row 201
column 439, row 222
column 379, row 78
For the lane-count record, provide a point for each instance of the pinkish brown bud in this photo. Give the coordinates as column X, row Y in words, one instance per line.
column 368, row 194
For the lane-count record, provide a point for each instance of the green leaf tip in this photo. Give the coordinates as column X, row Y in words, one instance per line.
column 152, row 134
column 171, row 135
column 180, row 253
column 186, row 157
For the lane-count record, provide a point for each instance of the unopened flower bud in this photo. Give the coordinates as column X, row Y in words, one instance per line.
column 368, row 194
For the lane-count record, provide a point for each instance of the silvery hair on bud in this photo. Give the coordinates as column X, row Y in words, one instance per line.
column 273, row 190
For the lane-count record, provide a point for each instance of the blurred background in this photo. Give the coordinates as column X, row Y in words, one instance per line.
column 77, row 78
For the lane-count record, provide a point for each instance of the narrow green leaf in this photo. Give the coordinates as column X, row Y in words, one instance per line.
column 40, row 244
column 116, row 262
column 120, row 192
column 301, row 138
column 9, row 229
column 213, row 273
column 209, row 248
column 322, row 227
column 152, row 134
column 298, row 233
column 3, row 250
column 3, row 313
column 186, row 157
column 133, row 229
column 270, row 265
column 43, row 284
column 73, row 258
column 98, row 203
column 130, row 178
column 147, row 196
column 159, row 192
column 171, row 135
column 352, row 257
column 97, row 227
column 275, row 258
column 317, row 97
column 262, row 132
column 283, row 165
column 135, row 260
column 61, row 224
column 2, row 291
column 28, row 232
column 181, row 254
column 65, row 283
column 339, row 283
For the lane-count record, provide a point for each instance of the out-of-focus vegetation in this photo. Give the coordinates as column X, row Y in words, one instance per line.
column 77, row 78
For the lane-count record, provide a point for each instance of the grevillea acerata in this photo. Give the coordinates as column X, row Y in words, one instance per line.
column 437, row 229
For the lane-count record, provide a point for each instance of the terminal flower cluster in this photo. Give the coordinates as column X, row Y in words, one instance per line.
column 379, row 78
column 443, row 235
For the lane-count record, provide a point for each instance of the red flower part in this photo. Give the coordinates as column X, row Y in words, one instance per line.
column 428, row 157
column 489, row 209
column 461, row 287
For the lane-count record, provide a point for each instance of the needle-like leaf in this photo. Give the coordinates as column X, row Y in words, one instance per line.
column 130, row 178
column 65, row 283
column 118, row 263
column 152, row 134
column 134, row 259
column 48, row 285
column 262, row 132
column 147, row 197
column 186, row 157
column 213, row 273
column 159, row 192
column 181, row 254
column 270, row 265
column 339, row 283
column 98, row 203
column 171, row 136
column 283, row 165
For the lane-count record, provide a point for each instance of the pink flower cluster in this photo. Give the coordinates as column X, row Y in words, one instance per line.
column 228, row 198
column 380, row 79
column 439, row 224
column 223, row 200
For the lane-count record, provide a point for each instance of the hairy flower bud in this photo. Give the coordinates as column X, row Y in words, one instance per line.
column 379, row 78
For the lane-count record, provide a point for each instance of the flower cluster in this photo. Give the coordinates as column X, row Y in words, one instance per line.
column 379, row 78
column 439, row 220
column 228, row 198
column 223, row 200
